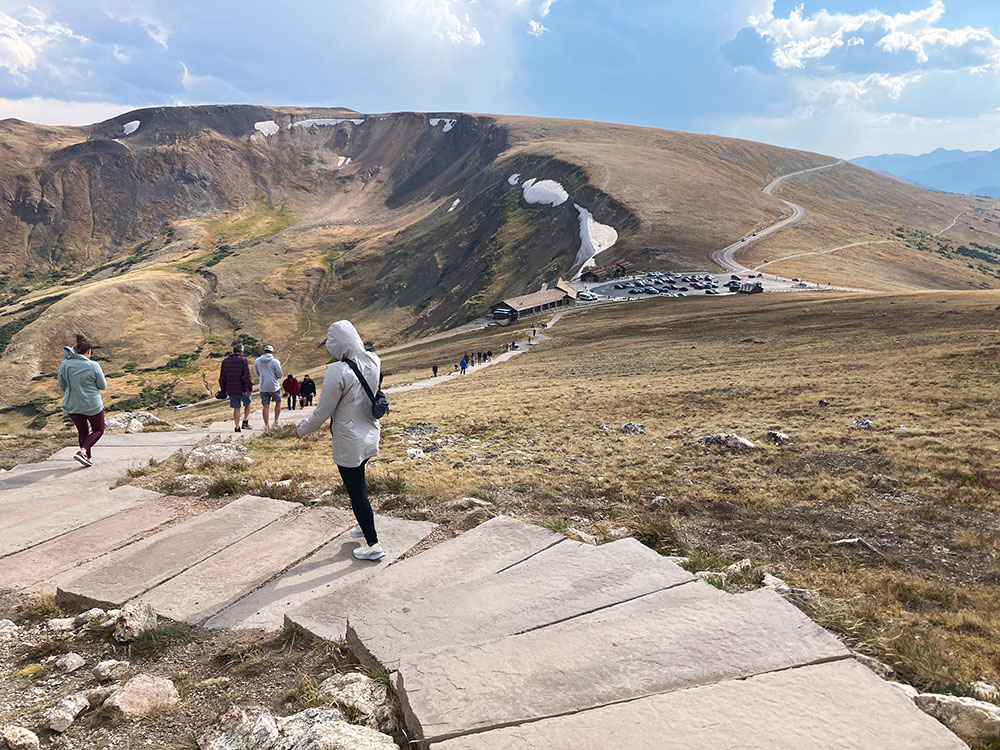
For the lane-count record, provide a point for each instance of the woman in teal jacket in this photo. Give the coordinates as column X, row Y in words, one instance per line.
column 82, row 381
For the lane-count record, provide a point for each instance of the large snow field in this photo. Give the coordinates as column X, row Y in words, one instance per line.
column 448, row 123
column 595, row 238
column 323, row 122
column 546, row 191
column 267, row 127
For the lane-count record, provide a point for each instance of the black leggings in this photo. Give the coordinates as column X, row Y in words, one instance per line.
column 357, row 490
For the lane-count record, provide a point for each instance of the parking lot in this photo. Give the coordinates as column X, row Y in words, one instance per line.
column 664, row 284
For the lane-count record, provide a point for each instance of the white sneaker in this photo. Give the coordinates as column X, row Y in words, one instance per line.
column 357, row 533
column 374, row 552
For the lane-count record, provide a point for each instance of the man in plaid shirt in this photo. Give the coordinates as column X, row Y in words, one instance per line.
column 234, row 381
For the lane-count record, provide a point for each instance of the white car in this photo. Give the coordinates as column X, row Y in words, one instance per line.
column 588, row 296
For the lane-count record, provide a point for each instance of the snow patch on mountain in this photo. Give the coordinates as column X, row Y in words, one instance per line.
column 267, row 127
column 448, row 124
column 595, row 238
column 131, row 127
column 454, row 205
column 545, row 192
column 325, row 122
column 514, row 178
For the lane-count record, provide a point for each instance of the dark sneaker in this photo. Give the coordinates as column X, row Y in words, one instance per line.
column 246, row 425
column 237, row 430
column 82, row 458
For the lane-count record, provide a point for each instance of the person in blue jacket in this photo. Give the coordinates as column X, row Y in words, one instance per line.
column 82, row 381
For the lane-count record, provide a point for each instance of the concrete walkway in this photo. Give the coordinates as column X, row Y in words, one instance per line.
column 508, row 635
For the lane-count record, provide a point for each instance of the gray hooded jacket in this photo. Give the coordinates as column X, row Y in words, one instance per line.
column 355, row 431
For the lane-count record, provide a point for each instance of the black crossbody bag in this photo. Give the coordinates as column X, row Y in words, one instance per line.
column 380, row 404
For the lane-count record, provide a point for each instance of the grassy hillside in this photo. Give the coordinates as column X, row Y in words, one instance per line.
column 217, row 229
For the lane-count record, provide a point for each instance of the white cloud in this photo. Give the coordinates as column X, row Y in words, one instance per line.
column 546, row 7
column 448, row 20
column 798, row 40
column 57, row 112
column 23, row 42
column 535, row 28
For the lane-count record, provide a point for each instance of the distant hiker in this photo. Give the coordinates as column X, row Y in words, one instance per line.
column 479, row 357
column 354, row 428
column 489, row 356
column 534, row 332
column 434, row 370
column 235, row 382
column 269, row 374
column 307, row 389
column 82, row 381
column 462, row 365
column 291, row 386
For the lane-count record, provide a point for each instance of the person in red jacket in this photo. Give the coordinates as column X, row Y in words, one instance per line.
column 235, row 382
column 291, row 386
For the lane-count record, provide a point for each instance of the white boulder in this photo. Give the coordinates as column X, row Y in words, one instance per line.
column 17, row 738
column 729, row 440
column 8, row 629
column 60, row 716
column 976, row 720
column 134, row 620
column 339, row 735
column 70, row 662
column 355, row 689
column 111, row 669
column 217, row 454
column 241, row 729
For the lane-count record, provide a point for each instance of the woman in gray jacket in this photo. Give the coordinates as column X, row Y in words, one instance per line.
column 355, row 430
column 82, row 381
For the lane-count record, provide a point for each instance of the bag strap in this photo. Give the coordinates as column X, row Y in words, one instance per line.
column 364, row 383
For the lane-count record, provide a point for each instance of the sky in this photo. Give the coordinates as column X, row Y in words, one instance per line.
column 841, row 77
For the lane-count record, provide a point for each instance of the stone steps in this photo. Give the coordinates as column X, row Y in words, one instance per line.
column 212, row 585
column 329, row 569
column 115, row 578
column 564, row 581
column 34, row 524
column 32, row 567
column 485, row 550
column 685, row 636
column 838, row 705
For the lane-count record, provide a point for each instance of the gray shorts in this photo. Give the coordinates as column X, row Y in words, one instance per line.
column 267, row 397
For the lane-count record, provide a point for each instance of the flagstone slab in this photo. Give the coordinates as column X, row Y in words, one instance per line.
column 685, row 636
column 838, row 705
column 127, row 573
column 50, row 520
column 485, row 550
column 212, row 585
column 32, row 567
column 329, row 569
column 567, row 580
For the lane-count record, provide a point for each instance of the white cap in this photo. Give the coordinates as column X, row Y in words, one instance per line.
column 268, row 348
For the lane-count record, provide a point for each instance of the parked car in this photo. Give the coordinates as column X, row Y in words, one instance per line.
column 651, row 290
column 588, row 296
column 684, row 289
column 712, row 291
column 734, row 277
column 796, row 279
column 802, row 283
column 619, row 286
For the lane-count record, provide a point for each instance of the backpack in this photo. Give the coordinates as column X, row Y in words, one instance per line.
column 380, row 404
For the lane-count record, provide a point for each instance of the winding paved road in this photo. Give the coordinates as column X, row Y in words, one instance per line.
column 726, row 256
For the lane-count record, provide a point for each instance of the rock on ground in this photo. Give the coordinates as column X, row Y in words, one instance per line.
column 729, row 440
column 142, row 695
column 632, row 428
column 355, row 689
column 18, row 738
column 340, row 735
column 985, row 691
column 241, row 729
column 60, row 716
column 91, row 614
column 862, row 423
column 880, row 668
column 293, row 728
column 976, row 720
column 70, row 662
column 419, row 430
column 61, row 624
column 134, row 620
column 217, row 454
column 110, row 669
column 773, row 582
column 8, row 630
column 778, row 438
column 122, row 422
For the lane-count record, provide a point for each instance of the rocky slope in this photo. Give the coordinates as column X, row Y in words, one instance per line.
column 164, row 232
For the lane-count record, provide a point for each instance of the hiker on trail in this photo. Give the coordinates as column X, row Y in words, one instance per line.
column 82, row 381
column 434, row 369
column 269, row 374
column 354, row 428
column 307, row 389
column 463, row 364
column 235, row 382
column 291, row 386
column 489, row 356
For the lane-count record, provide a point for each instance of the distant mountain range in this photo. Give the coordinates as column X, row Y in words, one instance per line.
column 951, row 171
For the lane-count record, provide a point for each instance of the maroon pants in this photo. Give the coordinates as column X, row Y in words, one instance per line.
column 90, row 429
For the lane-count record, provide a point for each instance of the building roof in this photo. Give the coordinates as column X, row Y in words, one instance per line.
column 537, row 299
